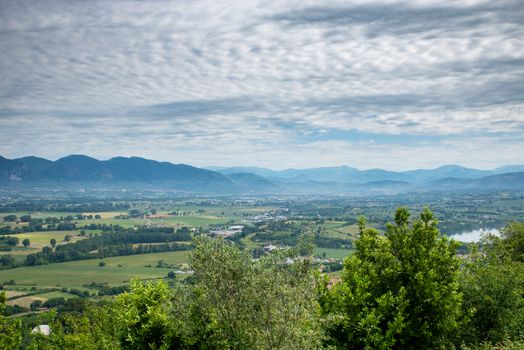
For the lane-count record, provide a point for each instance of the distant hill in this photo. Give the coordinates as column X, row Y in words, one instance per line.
column 83, row 169
column 253, row 182
column 345, row 174
column 12, row 170
column 507, row 181
column 344, row 180
column 34, row 162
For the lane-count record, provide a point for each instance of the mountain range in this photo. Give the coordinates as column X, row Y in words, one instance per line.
column 123, row 171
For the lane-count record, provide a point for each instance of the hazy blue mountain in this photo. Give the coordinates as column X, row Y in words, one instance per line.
column 11, row 170
column 75, row 168
column 326, row 174
column 345, row 174
column 254, row 182
column 456, row 171
column 343, row 180
column 80, row 168
column 140, row 169
column 268, row 173
column 507, row 181
column 509, row 169
column 34, row 162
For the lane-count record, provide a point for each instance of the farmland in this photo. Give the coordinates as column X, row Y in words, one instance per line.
column 151, row 237
column 75, row 274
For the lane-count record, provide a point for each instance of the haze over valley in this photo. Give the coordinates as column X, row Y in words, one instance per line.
column 253, row 174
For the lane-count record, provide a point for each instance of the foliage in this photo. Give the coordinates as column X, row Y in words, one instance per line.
column 246, row 304
column 492, row 281
column 10, row 329
column 143, row 316
column 96, row 329
column 398, row 291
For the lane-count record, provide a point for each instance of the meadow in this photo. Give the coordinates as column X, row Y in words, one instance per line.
column 74, row 274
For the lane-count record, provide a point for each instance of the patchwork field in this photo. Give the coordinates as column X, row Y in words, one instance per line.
column 27, row 300
column 77, row 273
column 333, row 253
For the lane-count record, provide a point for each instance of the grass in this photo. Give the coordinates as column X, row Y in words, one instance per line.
column 78, row 273
column 334, row 253
column 13, row 293
column 190, row 220
column 41, row 239
column 26, row 301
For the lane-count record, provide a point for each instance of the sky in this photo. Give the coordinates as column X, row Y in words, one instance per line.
column 278, row 84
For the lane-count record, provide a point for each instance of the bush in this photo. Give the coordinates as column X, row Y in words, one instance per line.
column 10, row 218
column 35, row 305
column 398, row 291
column 54, row 302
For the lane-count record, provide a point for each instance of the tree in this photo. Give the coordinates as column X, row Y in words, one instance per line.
column 398, row 291
column 53, row 242
column 102, row 264
column 10, row 329
column 492, row 281
column 513, row 240
column 25, row 218
column 244, row 304
column 35, row 305
column 26, row 242
column 143, row 318
column 171, row 274
column 10, row 218
column 7, row 260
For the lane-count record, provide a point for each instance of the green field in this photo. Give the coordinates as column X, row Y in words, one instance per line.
column 40, row 239
column 27, row 300
column 78, row 273
column 334, row 253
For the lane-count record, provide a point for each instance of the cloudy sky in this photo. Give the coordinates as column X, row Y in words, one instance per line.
column 389, row 84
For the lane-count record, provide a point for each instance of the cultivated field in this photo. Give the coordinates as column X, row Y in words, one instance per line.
column 78, row 273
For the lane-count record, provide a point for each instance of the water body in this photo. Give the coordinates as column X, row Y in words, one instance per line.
column 475, row 235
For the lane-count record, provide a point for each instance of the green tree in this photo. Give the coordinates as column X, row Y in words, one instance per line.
column 10, row 329
column 25, row 218
column 245, row 304
column 513, row 240
column 10, row 218
column 143, row 316
column 398, row 291
column 26, row 242
column 35, row 305
column 492, row 281
column 53, row 242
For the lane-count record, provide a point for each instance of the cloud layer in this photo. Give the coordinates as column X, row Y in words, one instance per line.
column 281, row 84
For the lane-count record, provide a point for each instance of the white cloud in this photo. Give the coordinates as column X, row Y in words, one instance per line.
column 246, row 82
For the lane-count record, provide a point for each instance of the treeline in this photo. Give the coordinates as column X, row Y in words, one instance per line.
column 43, row 258
column 37, row 227
column 111, row 243
column 114, row 244
column 62, row 223
column 68, row 207
column 406, row 289
column 291, row 238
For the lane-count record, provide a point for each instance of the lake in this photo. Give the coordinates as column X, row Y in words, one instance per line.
column 475, row 235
